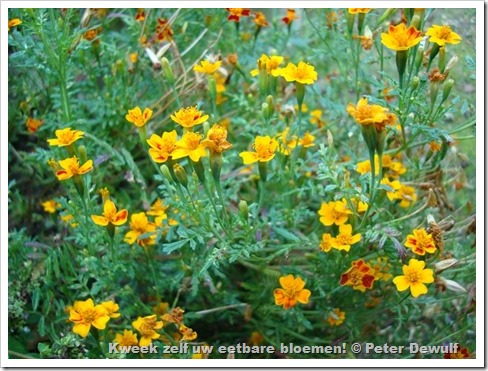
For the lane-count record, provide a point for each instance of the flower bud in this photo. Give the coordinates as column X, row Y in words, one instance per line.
column 270, row 101
column 180, row 174
column 447, row 89
column 167, row 71
column 419, row 57
column 166, row 173
column 265, row 111
column 243, row 210
column 82, row 151
column 415, row 82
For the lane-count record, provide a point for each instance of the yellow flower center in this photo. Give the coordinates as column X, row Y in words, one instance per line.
column 88, row 315
column 444, row 32
column 264, row 150
column 355, row 277
column 147, row 327
column 413, row 277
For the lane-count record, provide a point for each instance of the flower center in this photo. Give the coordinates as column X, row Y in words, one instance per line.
column 444, row 32
column 413, row 277
column 88, row 316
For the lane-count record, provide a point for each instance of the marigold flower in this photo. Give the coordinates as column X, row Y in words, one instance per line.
column 326, row 242
column 460, row 354
column 127, row 339
column 292, row 292
column 188, row 333
column 163, row 30
column 381, row 267
column 415, row 276
column 316, row 118
column 33, row 124
column 394, row 186
column 112, row 308
column 434, row 146
column 270, row 64
column 442, row 35
column 235, row 14
column 345, row 239
column 189, row 145
column 140, row 15
column 265, row 148
column 139, row 225
column 334, row 212
column 67, row 218
column 189, row 117
column 175, row 315
column 400, row 37
column 137, row 117
column 50, row 206
column 207, row 67
column 162, row 146
column 110, row 215
column 359, row 10
column 307, row 140
column 161, row 308
column 421, row 242
column 360, row 276
column 13, row 23
column 216, row 140
column 304, row 73
column 256, row 338
column 336, row 317
column 65, row 137
column 71, row 167
column 367, row 114
column 407, row 195
column 289, row 17
column 146, row 327
column 158, row 209
column 85, row 314
column 260, row 19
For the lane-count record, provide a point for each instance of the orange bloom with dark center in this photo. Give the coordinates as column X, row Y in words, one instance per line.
column 360, row 276
column 140, row 15
column 290, row 16
column 235, row 14
column 163, row 30
column 260, row 19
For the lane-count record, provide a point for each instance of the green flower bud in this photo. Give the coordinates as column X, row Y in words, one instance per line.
column 244, row 210
column 180, row 174
column 167, row 71
column 447, row 89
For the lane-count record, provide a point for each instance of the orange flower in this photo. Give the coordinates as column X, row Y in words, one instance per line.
column 13, row 22
column 235, row 14
column 71, row 167
column 140, row 15
column 290, row 16
column 460, row 354
column 400, row 37
column 359, row 10
column 216, row 140
column 65, row 137
column 189, row 117
column 360, row 276
column 336, row 317
column 33, row 124
column 260, row 19
column 292, row 292
column 163, row 30
column 421, row 242
column 110, row 215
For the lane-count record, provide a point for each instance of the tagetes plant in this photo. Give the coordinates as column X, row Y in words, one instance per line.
column 292, row 292
column 147, row 326
column 71, row 167
column 162, row 147
column 110, row 215
column 138, row 117
column 189, row 117
column 85, row 314
column 442, row 35
column 207, row 67
column 264, row 150
column 415, row 276
column 65, row 137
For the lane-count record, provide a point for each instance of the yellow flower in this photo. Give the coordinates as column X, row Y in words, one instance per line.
column 13, row 22
column 326, row 243
column 65, row 137
column 359, row 10
column 400, row 37
column 127, row 339
column 265, row 148
column 67, row 219
column 415, row 276
column 161, row 308
column 189, row 145
column 316, row 118
column 367, row 114
column 207, row 67
column 442, row 35
column 304, row 73
column 71, row 167
column 216, row 140
column 146, row 327
column 112, row 308
column 336, row 317
column 345, row 239
column 85, row 314
column 394, row 186
column 163, row 146
column 235, row 14
column 50, row 206
column 110, row 215
column 421, row 242
column 407, row 195
column 334, row 212
column 268, row 64
column 137, row 117
column 189, row 117
column 292, row 292
column 434, row 146
column 188, row 333
column 139, row 225
column 307, row 140
column 260, row 19
column 381, row 268
column 33, row 124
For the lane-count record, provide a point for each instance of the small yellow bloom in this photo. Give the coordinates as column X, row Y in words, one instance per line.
column 359, row 10
column 140, row 225
column 33, row 124
column 216, row 140
column 162, row 147
column 71, row 167
column 137, row 117
column 394, row 186
column 304, row 73
column 260, row 19
column 110, row 215
column 85, row 314
column 265, row 148
column 400, row 37
column 127, row 339
column 367, row 114
column 65, row 137
column 13, row 22
column 415, row 276
column 407, row 195
column 292, row 292
column 112, row 308
column 188, row 333
column 434, row 146
column 334, row 212
column 442, row 35
column 326, row 243
column 345, row 239
column 50, row 206
column 207, row 67
column 67, row 218
column 268, row 64
column 307, row 140
column 146, row 327
column 189, row 117
column 316, row 118
column 336, row 317
column 421, row 242
column 189, row 145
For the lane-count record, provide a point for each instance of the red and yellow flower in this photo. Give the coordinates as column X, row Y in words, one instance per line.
column 292, row 291
column 360, row 276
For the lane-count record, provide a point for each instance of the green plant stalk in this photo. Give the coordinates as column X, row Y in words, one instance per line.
column 153, row 275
